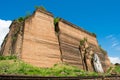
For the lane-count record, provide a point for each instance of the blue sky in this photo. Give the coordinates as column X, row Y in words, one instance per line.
column 99, row 16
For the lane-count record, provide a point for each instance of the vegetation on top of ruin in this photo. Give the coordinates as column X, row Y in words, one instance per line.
column 94, row 34
column 21, row 19
column 56, row 20
column 40, row 7
column 56, row 28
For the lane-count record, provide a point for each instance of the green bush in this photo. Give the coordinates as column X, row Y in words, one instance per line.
column 40, row 7
column 7, row 57
column 94, row 34
column 56, row 20
column 28, row 14
column 117, row 69
column 83, row 41
column 20, row 19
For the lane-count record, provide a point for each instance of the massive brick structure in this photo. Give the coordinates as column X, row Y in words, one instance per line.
column 36, row 40
column 40, row 44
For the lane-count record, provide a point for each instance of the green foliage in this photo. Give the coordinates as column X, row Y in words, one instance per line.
column 56, row 28
column 28, row 14
column 83, row 41
column 114, row 70
column 20, row 19
column 9, row 66
column 20, row 68
column 66, row 70
column 92, row 74
column 117, row 69
column 109, row 70
column 56, row 20
column 8, row 57
column 94, row 34
column 40, row 7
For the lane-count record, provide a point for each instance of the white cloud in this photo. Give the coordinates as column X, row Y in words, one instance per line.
column 109, row 36
column 115, row 44
column 114, row 40
column 114, row 60
column 4, row 28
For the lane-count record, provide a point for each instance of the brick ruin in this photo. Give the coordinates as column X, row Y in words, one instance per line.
column 37, row 41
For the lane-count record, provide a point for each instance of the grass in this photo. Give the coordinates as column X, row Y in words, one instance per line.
column 117, row 69
column 114, row 70
column 11, row 65
column 8, row 57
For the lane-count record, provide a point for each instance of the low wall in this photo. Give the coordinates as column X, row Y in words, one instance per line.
column 22, row 77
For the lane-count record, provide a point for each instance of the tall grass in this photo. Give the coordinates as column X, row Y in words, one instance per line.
column 21, row 68
column 12, row 65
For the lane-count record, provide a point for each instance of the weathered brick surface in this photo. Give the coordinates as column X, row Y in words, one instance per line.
column 12, row 42
column 40, row 44
column 107, row 62
column 71, row 55
column 69, row 37
column 76, row 33
column 6, row 45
